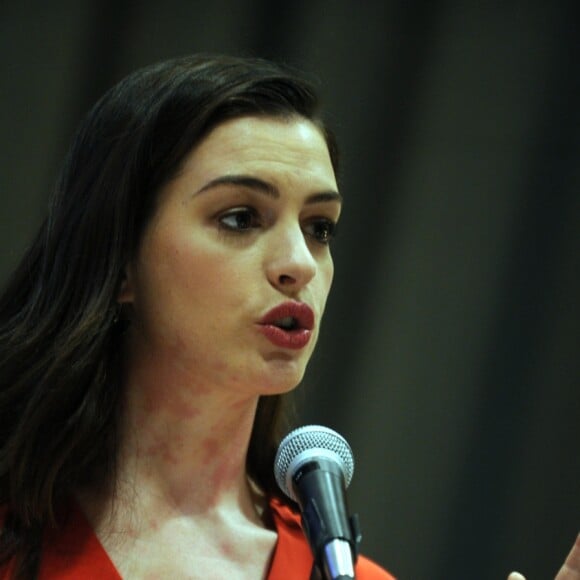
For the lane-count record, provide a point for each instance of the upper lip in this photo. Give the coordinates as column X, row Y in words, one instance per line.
column 301, row 313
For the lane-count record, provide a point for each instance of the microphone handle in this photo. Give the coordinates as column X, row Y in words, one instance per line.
column 338, row 560
column 320, row 490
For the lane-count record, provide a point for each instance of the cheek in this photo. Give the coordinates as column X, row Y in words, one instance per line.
column 165, row 273
column 191, row 277
column 327, row 277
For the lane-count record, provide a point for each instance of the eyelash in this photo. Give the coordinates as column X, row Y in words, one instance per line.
column 324, row 230
column 320, row 229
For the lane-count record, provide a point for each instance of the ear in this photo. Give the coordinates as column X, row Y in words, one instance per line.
column 126, row 293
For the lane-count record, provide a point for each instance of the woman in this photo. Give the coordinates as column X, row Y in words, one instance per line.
column 171, row 298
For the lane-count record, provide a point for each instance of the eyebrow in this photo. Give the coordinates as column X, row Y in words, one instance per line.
column 265, row 188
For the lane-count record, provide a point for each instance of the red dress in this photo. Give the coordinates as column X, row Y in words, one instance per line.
column 75, row 552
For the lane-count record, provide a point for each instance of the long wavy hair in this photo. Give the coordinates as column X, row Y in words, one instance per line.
column 60, row 368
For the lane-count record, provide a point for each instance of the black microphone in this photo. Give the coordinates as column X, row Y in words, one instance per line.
column 313, row 467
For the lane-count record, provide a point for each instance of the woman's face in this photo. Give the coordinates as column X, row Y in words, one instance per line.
column 231, row 279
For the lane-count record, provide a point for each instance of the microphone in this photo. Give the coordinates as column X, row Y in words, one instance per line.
column 313, row 467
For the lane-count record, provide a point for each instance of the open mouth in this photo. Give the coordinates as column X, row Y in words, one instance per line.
column 287, row 323
column 290, row 315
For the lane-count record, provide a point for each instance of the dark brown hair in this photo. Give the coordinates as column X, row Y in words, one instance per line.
column 60, row 368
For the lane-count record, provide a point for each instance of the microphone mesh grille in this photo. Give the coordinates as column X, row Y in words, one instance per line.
column 310, row 438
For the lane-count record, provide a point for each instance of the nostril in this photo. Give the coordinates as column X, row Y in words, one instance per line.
column 285, row 279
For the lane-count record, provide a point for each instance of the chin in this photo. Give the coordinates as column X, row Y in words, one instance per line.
column 282, row 377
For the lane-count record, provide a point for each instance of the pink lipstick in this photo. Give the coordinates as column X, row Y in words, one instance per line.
column 288, row 325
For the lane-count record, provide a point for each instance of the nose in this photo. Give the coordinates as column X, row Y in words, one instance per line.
column 290, row 263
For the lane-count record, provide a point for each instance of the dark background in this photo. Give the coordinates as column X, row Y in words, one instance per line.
column 449, row 356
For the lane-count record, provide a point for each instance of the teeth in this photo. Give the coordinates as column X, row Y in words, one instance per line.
column 287, row 323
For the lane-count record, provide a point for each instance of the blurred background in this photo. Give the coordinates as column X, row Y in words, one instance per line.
column 450, row 352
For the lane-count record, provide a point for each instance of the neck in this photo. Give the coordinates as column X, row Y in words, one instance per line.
column 192, row 457
column 183, row 447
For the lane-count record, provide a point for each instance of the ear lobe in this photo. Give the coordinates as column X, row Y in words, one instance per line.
column 126, row 293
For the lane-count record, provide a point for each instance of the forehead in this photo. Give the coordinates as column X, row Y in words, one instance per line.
column 263, row 144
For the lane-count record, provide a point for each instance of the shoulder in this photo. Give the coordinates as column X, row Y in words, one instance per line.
column 293, row 543
column 366, row 569
column 69, row 551
column 74, row 551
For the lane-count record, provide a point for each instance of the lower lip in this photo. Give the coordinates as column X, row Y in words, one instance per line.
column 295, row 339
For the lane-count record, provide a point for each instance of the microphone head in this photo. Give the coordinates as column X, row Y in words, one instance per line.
column 306, row 444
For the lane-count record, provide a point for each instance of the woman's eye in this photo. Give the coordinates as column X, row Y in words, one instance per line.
column 322, row 230
column 239, row 219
